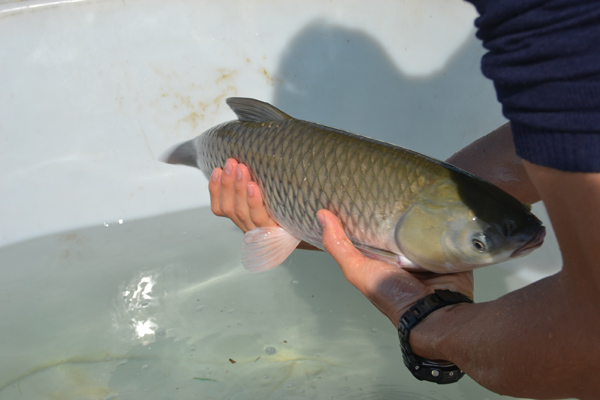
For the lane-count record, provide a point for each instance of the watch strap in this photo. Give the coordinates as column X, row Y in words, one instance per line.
column 438, row 371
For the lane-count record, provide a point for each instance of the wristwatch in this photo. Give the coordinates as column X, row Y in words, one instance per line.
column 438, row 371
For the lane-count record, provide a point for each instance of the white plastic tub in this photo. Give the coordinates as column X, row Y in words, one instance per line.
column 117, row 281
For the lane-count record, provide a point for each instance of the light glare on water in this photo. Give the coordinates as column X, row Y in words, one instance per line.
column 161, row 308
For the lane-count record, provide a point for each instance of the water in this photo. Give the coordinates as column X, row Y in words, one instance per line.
column 161, row 308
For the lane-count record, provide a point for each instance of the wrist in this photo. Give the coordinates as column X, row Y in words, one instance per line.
column 434, row 369
column 428, row 338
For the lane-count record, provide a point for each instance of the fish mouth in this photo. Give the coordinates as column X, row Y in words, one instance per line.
column 532, row 244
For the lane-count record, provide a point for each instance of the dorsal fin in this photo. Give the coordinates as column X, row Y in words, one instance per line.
column 251, row 110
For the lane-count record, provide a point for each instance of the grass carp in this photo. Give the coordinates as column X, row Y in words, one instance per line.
column 396, row 205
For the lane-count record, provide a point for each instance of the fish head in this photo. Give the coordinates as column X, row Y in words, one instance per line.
column 453, row 233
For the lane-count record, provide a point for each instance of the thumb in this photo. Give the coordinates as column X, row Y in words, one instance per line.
column 338, row 245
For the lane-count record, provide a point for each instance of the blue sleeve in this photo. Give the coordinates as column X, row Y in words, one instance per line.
column 544, row 59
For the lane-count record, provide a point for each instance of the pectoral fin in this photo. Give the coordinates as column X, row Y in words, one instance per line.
column 266, row 248
column 378, row 254
column 387, row 256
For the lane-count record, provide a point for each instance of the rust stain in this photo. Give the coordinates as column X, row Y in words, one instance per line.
column 226, row 75
column 218, row 101
column 230, row 91
column 270, row 80
column 193, row 119
column 225, row 81
column 185, row 101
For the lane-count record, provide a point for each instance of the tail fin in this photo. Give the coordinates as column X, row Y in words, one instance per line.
column 184, row 153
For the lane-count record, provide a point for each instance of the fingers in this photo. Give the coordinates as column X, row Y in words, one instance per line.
column 232, row 187
column 363, row 272
column 235, row 196
column 462, row 282
column 240, row 199
column 341, row 248
column 223, row 193
column 214, row 188
column 256, row 207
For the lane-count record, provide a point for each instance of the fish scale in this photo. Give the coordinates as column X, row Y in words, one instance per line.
column 280, row 155
column 395, row 204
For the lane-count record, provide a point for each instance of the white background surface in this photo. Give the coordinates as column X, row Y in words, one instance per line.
column 93, row 92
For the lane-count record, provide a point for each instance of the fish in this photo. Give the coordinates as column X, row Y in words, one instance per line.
column 396, row 205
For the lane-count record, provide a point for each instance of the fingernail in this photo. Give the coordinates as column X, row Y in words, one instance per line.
column 214, row 176
column 227, row 168
column 238, row 174
column 250, row 189
column 321, row 219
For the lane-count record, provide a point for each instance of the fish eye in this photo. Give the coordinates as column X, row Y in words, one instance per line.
column 479, row 243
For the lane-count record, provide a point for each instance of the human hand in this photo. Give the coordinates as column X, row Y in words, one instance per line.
column 235, row 196
column 391, row 289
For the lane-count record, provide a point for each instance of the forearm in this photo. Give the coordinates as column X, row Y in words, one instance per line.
column 529, row 343
column 494, row 159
